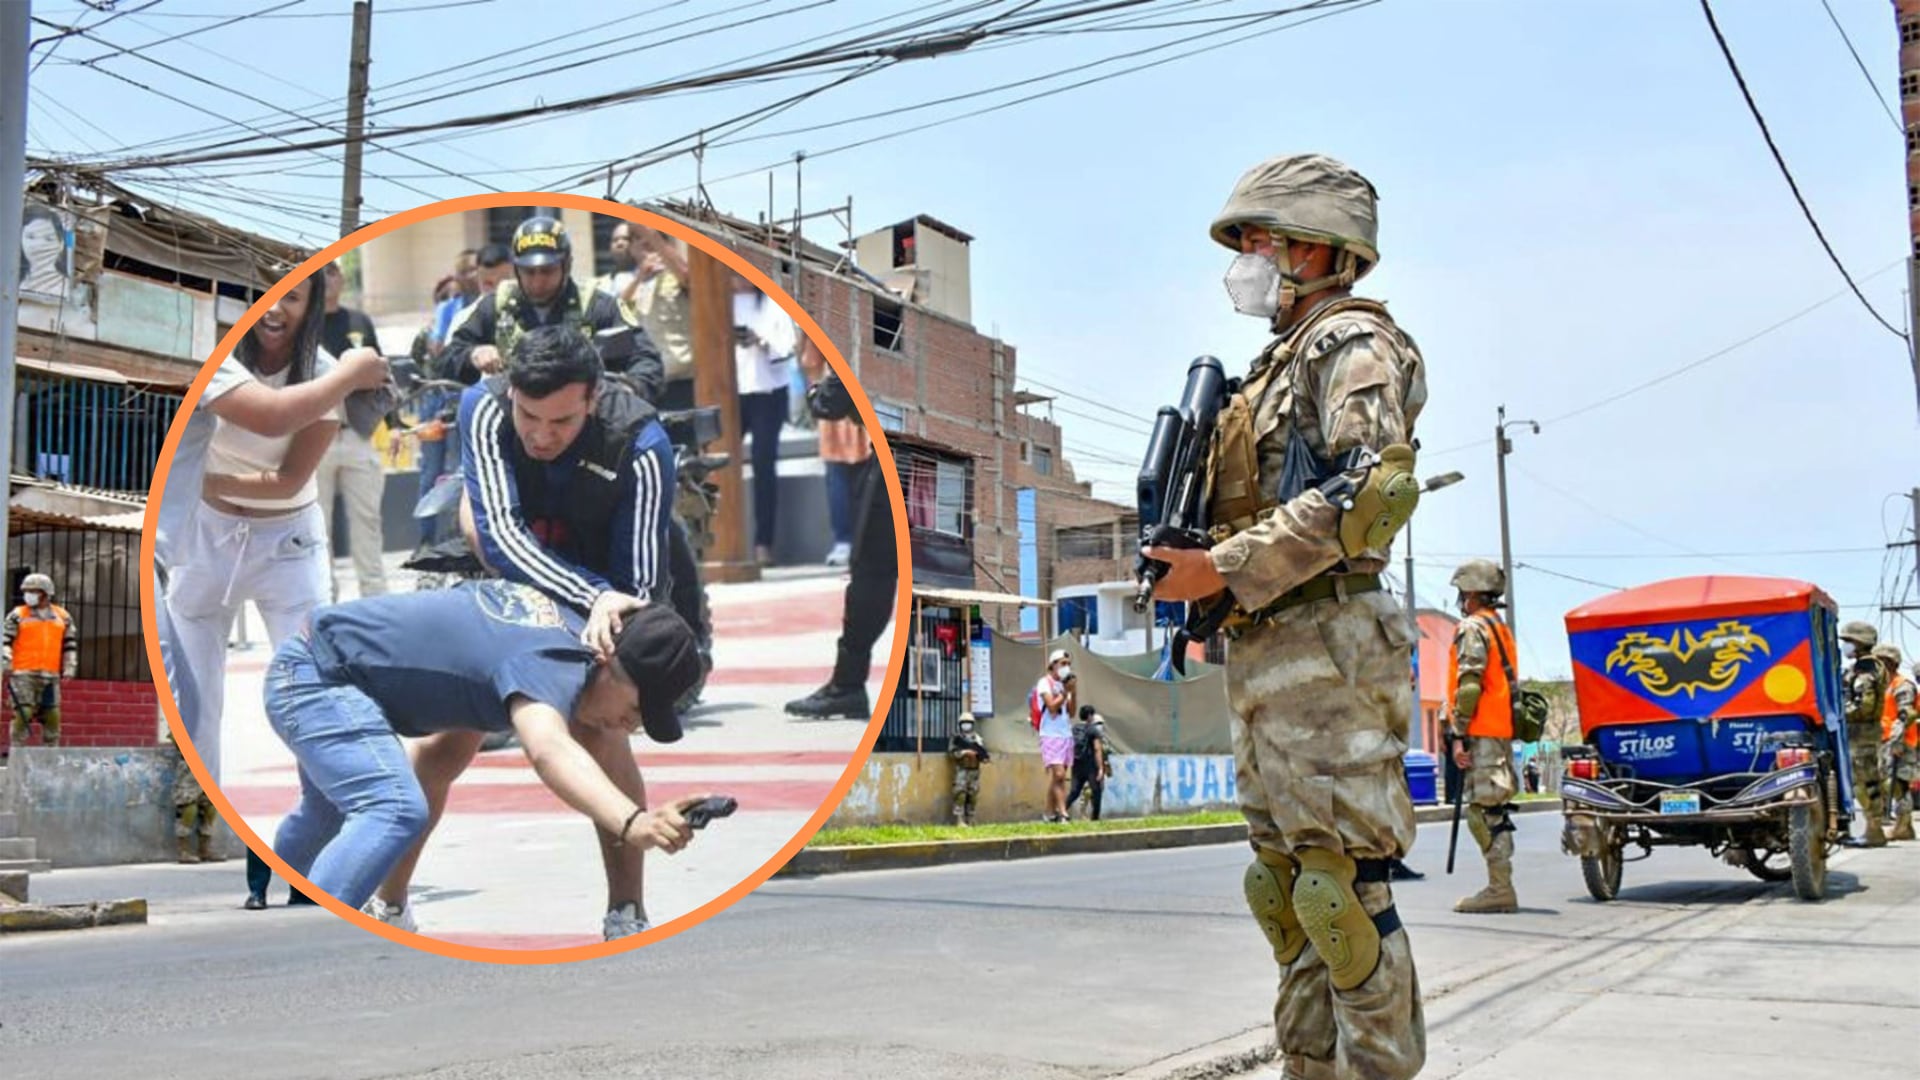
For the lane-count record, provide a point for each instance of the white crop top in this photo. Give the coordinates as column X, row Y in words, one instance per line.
column 235, row 451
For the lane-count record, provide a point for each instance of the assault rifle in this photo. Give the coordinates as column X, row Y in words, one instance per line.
column 1172, row 496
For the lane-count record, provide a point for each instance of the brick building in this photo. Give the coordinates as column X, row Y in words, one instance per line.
column 897, row 303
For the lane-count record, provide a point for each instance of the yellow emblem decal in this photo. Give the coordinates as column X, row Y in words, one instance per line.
column 1684, row 661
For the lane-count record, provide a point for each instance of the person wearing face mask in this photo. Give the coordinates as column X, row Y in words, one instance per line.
column 1481, row 731
column 1866, row 683
column 1319, row 655
column 42, row 647
column 1899, row 718
column 1057, row 696
column 968, row 752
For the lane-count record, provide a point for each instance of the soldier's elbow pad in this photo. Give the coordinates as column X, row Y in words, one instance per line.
column 1383, row 504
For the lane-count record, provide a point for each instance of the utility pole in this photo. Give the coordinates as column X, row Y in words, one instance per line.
column 1906, row 14
column 1504, row 446
column 714, row 383
column 14, row 25
column 356, row 115
column 1434, row 483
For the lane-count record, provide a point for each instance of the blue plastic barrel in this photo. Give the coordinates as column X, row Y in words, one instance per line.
column 1423, row 777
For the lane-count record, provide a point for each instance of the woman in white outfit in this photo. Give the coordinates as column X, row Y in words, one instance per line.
column 258, row 534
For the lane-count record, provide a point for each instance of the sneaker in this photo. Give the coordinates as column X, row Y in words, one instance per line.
column 830, row 702
column 624, row 921
column 401, row 916
column 840, row 555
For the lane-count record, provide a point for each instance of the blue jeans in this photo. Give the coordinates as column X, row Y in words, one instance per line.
column 433, row 461
column 360, row 806
column 840, row 500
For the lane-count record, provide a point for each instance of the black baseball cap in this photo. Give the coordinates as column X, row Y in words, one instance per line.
column 658, row 652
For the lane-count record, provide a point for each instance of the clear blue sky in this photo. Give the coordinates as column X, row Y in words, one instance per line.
column 1574, row 201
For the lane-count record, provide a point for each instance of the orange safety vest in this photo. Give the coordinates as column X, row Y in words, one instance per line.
column 41, row 639
column 1493, row 716
column 1889, row 713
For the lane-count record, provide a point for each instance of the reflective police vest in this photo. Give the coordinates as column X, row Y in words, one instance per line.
column 1493, row 715
column 41, row 639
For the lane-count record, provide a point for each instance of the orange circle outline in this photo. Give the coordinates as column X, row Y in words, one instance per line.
column 902, row 606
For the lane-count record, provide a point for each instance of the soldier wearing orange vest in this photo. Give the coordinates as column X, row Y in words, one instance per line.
column 41, row 647
column 1480, row 676
column 1899, row 738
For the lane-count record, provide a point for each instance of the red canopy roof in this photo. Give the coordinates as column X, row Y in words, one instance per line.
column 1707, row 597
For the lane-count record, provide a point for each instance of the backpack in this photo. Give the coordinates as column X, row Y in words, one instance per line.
column 1083, row 744
column 1035, row 707
column 1530, row 707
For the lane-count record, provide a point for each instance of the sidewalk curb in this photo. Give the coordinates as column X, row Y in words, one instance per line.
column 815, row 861
column 24, row 918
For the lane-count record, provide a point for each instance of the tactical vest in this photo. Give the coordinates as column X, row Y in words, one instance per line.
column 1493, row 716
column 510, row 304
column 1233, row 463
column 1866, row 691
column 41, row 639
column 575, row 520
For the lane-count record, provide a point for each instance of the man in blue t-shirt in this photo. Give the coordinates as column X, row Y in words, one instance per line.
column 484, row 656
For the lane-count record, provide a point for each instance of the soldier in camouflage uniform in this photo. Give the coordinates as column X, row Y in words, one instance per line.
column 968, row 753
column 1482, row 730
column 1866, row 682
column 193, row 813
column 1898, row 718
column 1319, row 652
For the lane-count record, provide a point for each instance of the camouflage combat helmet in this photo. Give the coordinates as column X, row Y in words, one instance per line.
column 1480, row 576
column 37, row 583
column 1888, row 654
column 1308, row 197
column 1861, row 634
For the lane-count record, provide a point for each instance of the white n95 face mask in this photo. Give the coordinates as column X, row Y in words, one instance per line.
column 1253, row 284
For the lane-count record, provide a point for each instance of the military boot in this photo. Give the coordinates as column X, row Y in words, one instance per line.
column 1302, row 1067
column 187, row 853
column 1498, row 897
column 1876, row 836
column 207, row 854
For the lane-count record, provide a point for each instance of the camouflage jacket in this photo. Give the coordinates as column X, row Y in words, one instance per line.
column 1363, row 383
column 1866, row 694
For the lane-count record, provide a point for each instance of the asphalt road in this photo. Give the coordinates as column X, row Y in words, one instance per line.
column 1062, row 967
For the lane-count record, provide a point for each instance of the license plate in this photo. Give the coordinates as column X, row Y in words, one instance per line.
column 1679, row 802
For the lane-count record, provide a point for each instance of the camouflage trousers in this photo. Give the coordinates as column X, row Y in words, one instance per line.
column 966, row 790
column 1488, row 786
column 1321, row 701
column 35, row 696
column 1869, row 786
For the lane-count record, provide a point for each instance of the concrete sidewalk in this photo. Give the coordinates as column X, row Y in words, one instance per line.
column 512, row 867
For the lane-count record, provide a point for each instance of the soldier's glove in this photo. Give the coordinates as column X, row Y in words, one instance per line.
column 1382, row 504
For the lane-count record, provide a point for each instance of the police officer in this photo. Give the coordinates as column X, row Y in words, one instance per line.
column 1319, row 652
column 1899, row 719
column 1866, row 683
column 42, row 647
column 542, row 293
column 1481, row 729
column 968, row 752
column 874, row 570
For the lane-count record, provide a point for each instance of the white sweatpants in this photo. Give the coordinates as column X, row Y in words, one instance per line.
column 281, row 564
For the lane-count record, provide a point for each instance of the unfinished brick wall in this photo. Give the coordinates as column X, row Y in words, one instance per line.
column 95, row 712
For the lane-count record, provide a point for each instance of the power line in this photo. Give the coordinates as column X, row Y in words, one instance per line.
column 1861, row 64
column 1707, row 7
column 411, row 10
column 1566, row 577
column 71, row 31
column 1675, row 372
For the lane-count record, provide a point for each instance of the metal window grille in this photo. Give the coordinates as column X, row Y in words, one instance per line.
column 96, row 577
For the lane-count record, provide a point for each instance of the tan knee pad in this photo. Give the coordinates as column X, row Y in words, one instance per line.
column 1477, row 827
column 1334, row 921
column 1269, row 888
